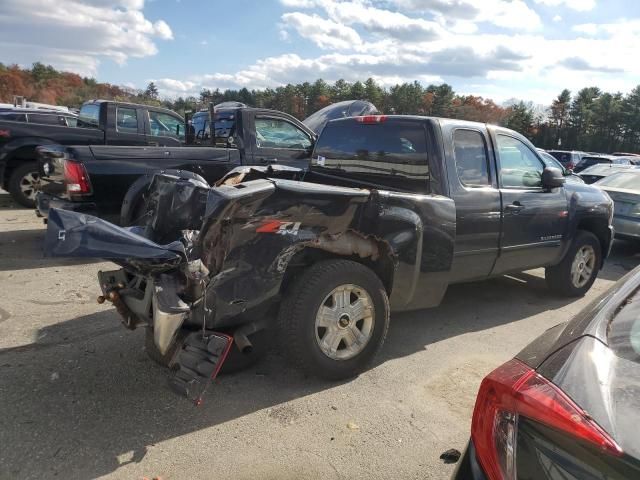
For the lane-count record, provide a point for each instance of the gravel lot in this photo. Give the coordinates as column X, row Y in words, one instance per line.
column 80, row 399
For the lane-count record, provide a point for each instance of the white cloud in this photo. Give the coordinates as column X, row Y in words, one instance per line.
column 76, row 34
column 439, row 40
column 323, row 32
column 298, row 3
column 588, row 28
column 557, row 18
column 508, row 14
column 579, row 5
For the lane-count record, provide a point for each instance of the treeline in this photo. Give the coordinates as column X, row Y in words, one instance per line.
column 591, row 120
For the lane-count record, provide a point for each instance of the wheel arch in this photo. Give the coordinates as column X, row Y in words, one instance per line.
column 17, row 156
column 373, row 253
column 600, row 228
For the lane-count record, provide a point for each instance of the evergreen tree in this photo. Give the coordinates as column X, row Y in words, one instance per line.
column 151, row 91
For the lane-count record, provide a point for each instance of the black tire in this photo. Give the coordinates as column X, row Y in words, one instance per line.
column 297, row 318
column 18, row 176
column 559, row 277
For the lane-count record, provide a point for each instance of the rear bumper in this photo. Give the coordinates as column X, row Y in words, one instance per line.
column 626, row 227
column 44, row 202
column 468, row 467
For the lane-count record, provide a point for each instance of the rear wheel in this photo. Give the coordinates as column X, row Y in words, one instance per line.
column 577, row 271
column 334, row 319
column 24, row 183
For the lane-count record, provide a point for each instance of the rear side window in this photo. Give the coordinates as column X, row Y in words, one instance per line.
column 471, row 158
column 13, row 117
column 127, row 120
column 46, row 119
column 89, row 115
column 391, row 153
column 224, row 125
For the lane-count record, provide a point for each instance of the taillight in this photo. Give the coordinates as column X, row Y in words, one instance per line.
column 76, row 178
column 571, row 166
column 370, row 119
column 515, row 390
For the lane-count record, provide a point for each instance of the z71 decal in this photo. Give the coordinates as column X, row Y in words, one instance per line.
column 279, row 227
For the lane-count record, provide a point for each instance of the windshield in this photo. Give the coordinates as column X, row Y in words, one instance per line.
column 626, row 180
column 550, row 161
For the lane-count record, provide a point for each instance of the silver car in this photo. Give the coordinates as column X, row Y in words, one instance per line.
column 624, row 189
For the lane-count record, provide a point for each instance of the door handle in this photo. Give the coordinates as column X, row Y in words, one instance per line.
column 514, row 207
column 268, row 160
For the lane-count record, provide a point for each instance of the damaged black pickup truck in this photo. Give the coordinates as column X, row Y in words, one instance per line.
column 390, row 211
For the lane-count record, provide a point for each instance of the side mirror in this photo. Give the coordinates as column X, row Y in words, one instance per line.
column 552, row 178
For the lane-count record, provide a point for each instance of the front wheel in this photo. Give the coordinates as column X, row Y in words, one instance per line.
column 577, row 271
column 334, row 319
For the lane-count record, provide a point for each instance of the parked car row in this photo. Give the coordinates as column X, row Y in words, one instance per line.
column 100, row 122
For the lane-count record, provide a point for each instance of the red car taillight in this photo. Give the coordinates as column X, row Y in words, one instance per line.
column 515, row 390
column 76, row 178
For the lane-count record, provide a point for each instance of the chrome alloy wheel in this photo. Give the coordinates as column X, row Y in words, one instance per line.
column 583, row 266
column 344, row 322
column 30, row 184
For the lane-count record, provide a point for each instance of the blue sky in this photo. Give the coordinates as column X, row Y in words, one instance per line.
column 501, row 49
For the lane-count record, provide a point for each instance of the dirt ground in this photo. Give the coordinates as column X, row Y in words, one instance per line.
column 80, row 399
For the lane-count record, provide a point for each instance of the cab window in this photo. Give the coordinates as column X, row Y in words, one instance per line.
column 470, row 153
column 127, row 120
column 89, row 115
column 392, row 154
column 519, row 166
column 277, row 133
column 45, row 119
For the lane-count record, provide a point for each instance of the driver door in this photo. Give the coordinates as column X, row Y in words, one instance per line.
column 279, row 141
column 534, row 219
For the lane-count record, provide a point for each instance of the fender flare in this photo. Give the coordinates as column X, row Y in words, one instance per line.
column 140, row 187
